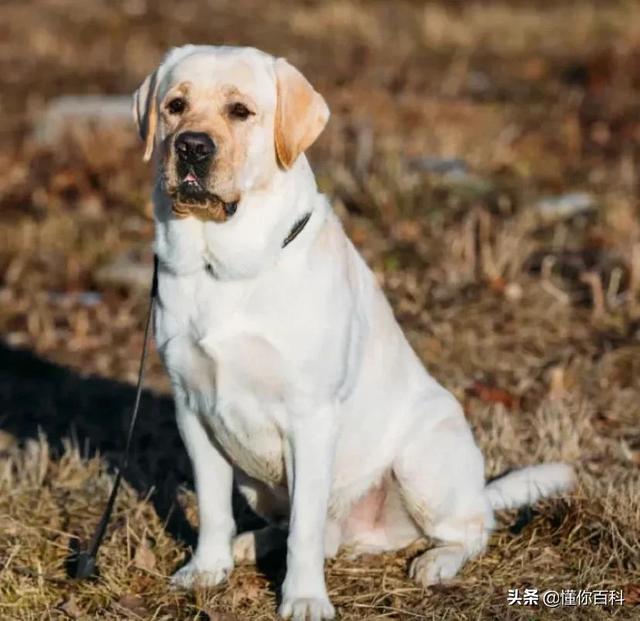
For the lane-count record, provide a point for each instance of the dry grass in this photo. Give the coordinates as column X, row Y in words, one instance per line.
column 533, row 323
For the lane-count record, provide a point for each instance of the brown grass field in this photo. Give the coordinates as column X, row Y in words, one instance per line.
column 530, row 315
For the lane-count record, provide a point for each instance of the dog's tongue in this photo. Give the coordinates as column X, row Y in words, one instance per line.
column 190, row 177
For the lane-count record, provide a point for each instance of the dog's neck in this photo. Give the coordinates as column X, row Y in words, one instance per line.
column 250, row 241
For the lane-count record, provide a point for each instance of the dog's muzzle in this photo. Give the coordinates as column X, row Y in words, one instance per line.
column 195, row 148
column 195, row 152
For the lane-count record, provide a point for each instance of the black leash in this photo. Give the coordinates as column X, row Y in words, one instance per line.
column 82, row 564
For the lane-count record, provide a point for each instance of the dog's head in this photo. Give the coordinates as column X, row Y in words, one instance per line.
column 224, row 121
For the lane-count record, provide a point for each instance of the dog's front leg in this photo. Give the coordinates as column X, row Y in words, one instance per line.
column 213, row 475
column 309, row 462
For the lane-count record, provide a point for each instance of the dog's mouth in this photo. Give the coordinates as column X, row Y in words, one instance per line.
column 191, row 197
column 192, row 189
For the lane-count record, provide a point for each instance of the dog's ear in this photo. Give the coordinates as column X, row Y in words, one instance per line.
column 145, row 112
column 301, row 114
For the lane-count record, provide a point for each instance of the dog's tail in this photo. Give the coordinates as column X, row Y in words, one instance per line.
column 528, row 485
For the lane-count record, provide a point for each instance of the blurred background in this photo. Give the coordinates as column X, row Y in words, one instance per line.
column 483, row 156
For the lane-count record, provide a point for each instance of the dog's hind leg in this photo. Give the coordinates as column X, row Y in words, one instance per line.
column 252, row 545
column 440, row 473
column 272, row 505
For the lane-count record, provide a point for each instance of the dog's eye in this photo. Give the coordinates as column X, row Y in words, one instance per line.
column 177, row 105
column 239, row 111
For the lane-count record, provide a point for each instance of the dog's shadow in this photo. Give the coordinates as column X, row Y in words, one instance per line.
column 38, row 396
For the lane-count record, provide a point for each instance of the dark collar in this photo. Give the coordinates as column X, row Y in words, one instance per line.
column 296, row 229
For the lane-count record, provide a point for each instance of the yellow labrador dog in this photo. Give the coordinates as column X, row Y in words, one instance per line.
column 289, row 370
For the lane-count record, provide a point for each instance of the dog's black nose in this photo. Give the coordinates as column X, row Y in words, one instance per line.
column 194, row 147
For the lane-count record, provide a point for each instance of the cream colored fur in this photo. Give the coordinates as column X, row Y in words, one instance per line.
column 287, row 364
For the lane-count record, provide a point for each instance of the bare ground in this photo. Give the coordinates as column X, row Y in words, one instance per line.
column 531, row 318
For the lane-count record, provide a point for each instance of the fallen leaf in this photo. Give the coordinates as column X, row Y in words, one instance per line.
column 144, row 557
column 248, row 589
column 535, row 68
column 71, row 608
column 497, row 284
column 491, row 394
column 134, row 603
column 632, row 594
column 406, row 231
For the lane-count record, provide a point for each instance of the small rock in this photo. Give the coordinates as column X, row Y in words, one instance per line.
column 98, row 109
column 478, row 83
column 565, row 206
column 452, row 172
column 16, row 339
column 513, row 292
column 75, row 298
column 439, row 165
column 125, row 271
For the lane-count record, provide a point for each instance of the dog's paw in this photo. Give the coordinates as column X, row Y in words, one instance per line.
column 198, row 574
column 251, row 545
column 437, row 564
column 244, row 548
column 307, row 609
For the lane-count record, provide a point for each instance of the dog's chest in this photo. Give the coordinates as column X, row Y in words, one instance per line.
column 209, row 357
column 251, row 442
